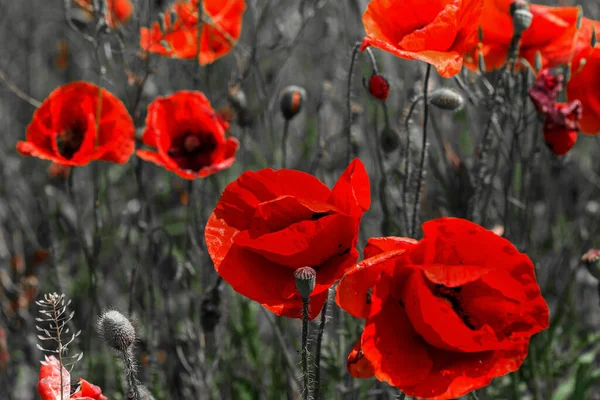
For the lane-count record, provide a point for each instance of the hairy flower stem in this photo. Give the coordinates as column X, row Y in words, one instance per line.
column 421, row 176
column 473, row 395
column 348, row 105
column 130, row 369
column 286, row 130
column 317, row 384
column 400, row 396
column 304, row 352
column 407, row 171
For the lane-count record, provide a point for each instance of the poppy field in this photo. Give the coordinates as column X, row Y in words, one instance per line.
column 310, row 199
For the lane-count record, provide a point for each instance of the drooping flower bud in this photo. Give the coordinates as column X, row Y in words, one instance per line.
column 379, row 87
column 390, row 140
column 446, row 99
column 116, row 330
column 306, row 279
column 522, row 17
column 291, row 101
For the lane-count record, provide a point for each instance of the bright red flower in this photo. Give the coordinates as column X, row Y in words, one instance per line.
column 177, row 36
column 379, row 87
column 49, row 384
column 118, row 12
column 357, row 364
column 188, row 135
column 584, row 86
column 438, row 32
column 551, row 34
column 67, row 129
column 447, row 314
column 269, row 223
column 561, row 123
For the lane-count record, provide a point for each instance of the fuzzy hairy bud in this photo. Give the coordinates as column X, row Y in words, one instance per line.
column 116, row 330
column 446, row 99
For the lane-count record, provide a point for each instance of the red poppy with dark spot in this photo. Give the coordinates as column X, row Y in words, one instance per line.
column 447, row 314
column 49, row 385
column 270, row 223
column 584, row 86
column 551, row 33
column 177, row 35
column 438, row 32
column 78, row 123
column 118, row 12
column 561, row 125
column 379, row 87
column 188, row 135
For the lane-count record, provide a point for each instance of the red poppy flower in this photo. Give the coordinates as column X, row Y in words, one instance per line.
column 447, row 314
column 188, row 135
column 66, row 128
column 561, row 123
column 583, row 86
column 551, row 34
column 357, row 364
column 177, row 36
column 49, row 384
column 269, row 223
column 438, row 32
column 118, row 12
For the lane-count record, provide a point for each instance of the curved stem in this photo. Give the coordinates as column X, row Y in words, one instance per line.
column 348, row 105
column 317, row 385
column 304, row 352
column 407, row 171
column 423, row 154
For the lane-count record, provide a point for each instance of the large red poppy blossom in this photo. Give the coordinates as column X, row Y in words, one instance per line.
column 177, row 36
column 447, row 314
column 188, row 135
column 551, row 34
column 118, row 12
column 584, row 86
column 561, row 120
column 270, row 223
column 438, row 32
column 78, row 123
column 49, row 387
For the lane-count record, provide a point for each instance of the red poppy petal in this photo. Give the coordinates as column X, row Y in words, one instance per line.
column 357, row 364
column 87, row 391
column 351, row 193
column 380, row 245
column 49, row 380
column 438, row 35
column 582, row 86
column 398, row 354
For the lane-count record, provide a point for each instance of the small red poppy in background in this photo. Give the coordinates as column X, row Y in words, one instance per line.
column 551, row 34
column 188, row 136
column 49, row 384
column 267, row 224
column 583, row 87
column 118, row 12
column 177, row 36
column 447, row 314
column 67, row 129
column 438, row 32
column 561, row 122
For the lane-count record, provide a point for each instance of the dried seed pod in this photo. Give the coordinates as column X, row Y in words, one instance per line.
column 306, row 279
column 291, row 101
column 446, row 99
column 379, row 87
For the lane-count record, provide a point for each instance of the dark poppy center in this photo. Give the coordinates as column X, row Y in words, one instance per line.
column 193, row 151
column 453, row 296
column 70, row 140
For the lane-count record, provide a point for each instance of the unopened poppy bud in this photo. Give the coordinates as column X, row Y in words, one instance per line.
column 446, row 99
column 389, row 139
column 306, row 279
column 291, row 101
column 481, row 62
column 116, row 330
column 379, row 87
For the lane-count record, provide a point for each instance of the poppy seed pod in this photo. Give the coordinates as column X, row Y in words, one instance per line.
column 116, row 330
column 291, row 101
column 306, row 278
column 379, row 87
column 389, row 139
column 522, row 17
column 446, row 99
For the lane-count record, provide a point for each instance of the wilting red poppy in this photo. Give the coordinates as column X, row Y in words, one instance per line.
column 583, row 86
column 437, row 32
column 49, row 384
column 177, row 35
column 67, row 129
column 188, row 135
column 561, row 122
column 447, row 314
column 269, row 223
column 551, row 34
column 118, row 12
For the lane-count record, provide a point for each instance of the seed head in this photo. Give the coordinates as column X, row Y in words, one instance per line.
column 291, row 101
column 379, row 87
column 522, row 17
column 446, row 99
column 306, row 279
column 116, row 330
